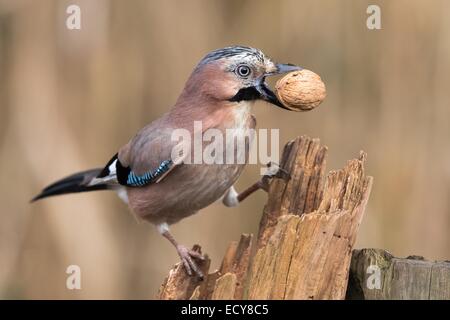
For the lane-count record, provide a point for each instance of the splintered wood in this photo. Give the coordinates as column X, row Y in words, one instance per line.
column 305, row 160
column 306, row 236
column 311, row 242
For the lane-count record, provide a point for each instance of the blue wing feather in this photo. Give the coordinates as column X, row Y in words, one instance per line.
column 126, row 177
column 134, row 180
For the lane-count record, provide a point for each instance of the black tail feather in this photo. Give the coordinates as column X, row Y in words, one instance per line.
column 78, row 182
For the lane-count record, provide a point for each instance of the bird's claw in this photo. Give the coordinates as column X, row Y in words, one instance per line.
column 273, row 171
column 187, row 257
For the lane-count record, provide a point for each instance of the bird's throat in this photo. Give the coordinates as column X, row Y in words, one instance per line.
column 241, row 114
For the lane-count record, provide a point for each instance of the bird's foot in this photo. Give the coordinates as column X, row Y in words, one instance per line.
column 273, row 171
column 187, row 257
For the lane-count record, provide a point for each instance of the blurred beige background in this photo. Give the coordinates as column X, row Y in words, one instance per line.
column 70, row 99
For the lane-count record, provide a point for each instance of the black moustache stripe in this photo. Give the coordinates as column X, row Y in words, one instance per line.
column 246, row 94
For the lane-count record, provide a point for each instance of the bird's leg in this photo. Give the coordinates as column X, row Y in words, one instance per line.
column 186, row 254
column 232, row 198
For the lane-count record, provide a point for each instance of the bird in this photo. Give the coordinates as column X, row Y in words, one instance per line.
column 156, row 176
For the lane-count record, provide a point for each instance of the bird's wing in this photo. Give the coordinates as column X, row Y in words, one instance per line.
column 117, row 173
column 147, row 158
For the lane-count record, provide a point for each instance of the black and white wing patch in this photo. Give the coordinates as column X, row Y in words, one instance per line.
column 115, row 172
column 127, row 177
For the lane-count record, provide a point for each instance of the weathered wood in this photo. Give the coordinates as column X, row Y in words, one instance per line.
column 409, row 278
column 308, row 256
column 306, row 234
column 305, row 160
column 225, row 287
column 241, row 263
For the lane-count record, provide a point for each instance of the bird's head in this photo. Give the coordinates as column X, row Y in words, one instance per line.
column 236, row 74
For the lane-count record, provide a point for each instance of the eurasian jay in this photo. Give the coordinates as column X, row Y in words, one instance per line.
column 152, row 172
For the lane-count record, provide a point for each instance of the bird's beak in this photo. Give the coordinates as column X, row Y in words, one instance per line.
column 265, row 92
column 284, row 68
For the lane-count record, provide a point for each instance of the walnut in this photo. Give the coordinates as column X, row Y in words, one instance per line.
column 300, row 90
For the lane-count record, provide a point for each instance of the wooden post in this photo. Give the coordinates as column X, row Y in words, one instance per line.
column 306, row 236
column 408, row 278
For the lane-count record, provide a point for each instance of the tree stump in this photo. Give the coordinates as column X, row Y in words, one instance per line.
column 304, row 245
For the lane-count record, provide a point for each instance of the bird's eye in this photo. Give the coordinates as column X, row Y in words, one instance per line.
column 243, row 71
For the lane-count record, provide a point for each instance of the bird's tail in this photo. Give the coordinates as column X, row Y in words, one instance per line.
column 78, row 182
